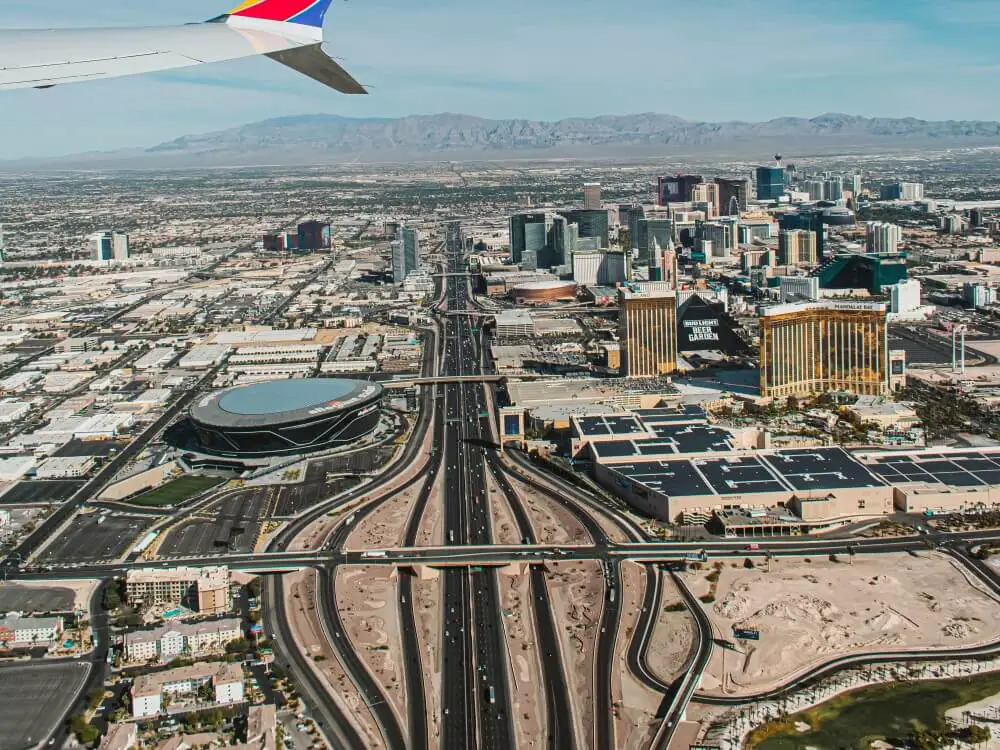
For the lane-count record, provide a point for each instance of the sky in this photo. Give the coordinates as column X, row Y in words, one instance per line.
column 536, row 59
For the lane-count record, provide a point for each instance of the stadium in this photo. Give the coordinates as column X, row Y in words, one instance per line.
column 281, row 417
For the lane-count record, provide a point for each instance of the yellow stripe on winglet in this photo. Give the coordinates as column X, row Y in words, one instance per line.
column 244, row 5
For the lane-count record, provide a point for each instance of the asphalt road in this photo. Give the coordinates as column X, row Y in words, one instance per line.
column 325, row 712
column 371, row 693
column 558, row 707
column 475, row 693
column 89, row 490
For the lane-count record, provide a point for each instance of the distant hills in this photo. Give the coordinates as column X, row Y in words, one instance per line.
column 331, row 138
column 443, row 134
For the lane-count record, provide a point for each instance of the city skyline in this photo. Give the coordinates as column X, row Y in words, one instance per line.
column 853, row 57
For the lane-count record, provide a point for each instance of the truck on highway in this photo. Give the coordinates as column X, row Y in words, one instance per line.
column 373, row 553
column 491, row 694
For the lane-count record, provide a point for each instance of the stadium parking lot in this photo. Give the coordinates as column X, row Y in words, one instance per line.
column 88, row 538
column 360, row 462
column 34, row 699
column 294, row 499
column 230, row 524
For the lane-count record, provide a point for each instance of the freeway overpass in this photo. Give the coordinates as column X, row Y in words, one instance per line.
column 446, row 379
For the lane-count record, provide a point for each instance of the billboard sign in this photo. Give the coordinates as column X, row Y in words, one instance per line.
column 746, row 634
column 511, row 425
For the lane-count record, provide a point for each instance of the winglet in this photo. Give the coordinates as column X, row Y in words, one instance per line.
column 305, row 12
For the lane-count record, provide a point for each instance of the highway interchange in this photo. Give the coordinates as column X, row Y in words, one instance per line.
column 475, row 690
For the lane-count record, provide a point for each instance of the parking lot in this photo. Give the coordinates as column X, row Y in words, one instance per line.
column 229, row 524
column 88, row 538
column 293, row 499
column 34, row 700
column 362, row 462
column 101, row 448
column 23, row 599
column 920, row 348
column 41, row 491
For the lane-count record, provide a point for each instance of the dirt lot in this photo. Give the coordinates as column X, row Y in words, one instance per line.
column 366, row 601
column 503, row 525
column 809, row 612
column 384, row 527
column 673, row 635
column 551, row 522
column 527, row 689
column 300, row 606
column 426, row 592
column 576, row 590
column 634, row 704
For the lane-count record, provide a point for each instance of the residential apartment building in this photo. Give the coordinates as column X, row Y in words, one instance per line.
column 226, row 679
column 174, row 639
column 16, row 630
column 204, row 590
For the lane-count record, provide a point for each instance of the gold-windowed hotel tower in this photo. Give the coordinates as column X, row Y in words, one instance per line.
column 814, row 347
column 647, row 328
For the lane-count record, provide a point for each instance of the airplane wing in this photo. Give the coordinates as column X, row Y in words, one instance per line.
column 288, row 31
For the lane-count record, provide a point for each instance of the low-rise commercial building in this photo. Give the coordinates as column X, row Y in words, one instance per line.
column 822, row 485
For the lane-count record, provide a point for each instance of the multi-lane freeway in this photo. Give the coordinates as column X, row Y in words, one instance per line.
column 475, row 694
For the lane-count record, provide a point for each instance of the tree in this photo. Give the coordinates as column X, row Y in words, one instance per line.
column 85, row 733
column 237, row 646
column 924, row 739
column 977, row 735
column 112, row 599
column 748, row 564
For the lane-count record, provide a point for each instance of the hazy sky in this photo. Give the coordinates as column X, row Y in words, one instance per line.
column 539, row 59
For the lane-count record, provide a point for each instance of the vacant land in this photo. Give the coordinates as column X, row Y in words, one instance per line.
column 672, row 640
column 175, row 491
column 810, row 612
column 367, row 602
column 576, row 591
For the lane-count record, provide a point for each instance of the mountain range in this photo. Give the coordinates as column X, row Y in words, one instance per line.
column 330, row 138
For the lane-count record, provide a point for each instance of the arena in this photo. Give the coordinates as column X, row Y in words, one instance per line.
column 540, row 292
column 280, row 417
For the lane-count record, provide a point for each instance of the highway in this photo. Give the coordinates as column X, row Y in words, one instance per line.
column 558, row 708
column 336, row 634
column 475, row 690
column 325, row 711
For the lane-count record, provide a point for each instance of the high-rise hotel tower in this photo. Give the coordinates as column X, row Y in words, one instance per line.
column 814, row 347
column 647, row 328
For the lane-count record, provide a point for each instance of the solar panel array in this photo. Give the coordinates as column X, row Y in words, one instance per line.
column 602, row 426
column 802, row 470
column 967, row 469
